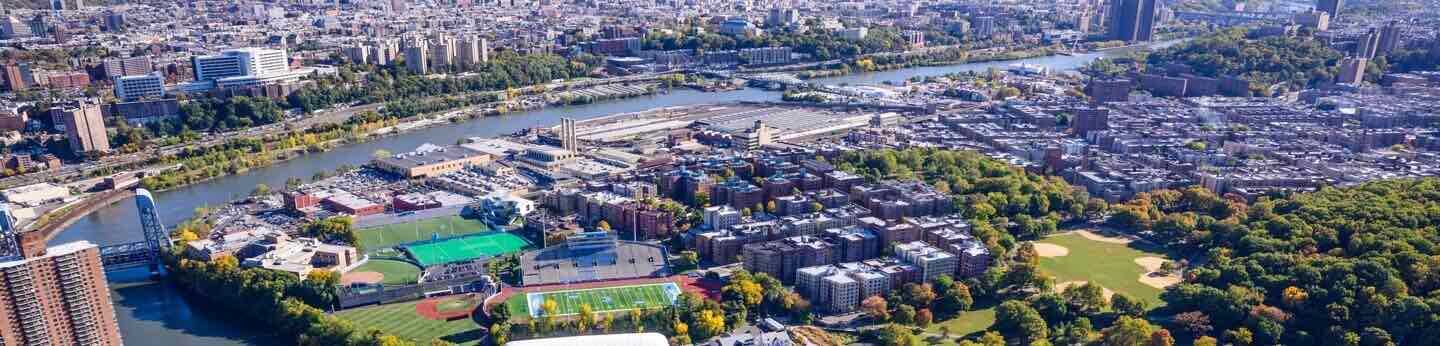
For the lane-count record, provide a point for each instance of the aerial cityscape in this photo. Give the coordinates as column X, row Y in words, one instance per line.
column 720, row 172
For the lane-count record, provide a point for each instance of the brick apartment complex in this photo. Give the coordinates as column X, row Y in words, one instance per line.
column 56, row 296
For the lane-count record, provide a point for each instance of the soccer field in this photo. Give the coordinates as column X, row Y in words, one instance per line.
column 465, row 248
column 606, row 298
column 376, row 238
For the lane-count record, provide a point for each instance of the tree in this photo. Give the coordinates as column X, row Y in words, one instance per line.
column 500, row 333
column 711, row 323
column 681, row 329
column 1087, row 299
column 260, row 190
column 956, row 299
column 923, row 318
column 743, row 290
column 904, row 314
column 391, row 340
column 1016, row 318
column 604, row 226
column 876, row 308
column 637, row 320
column 770, row 207
column 499, row 313
column 1128, row 331
column 549, row 308
column 895, row 335
column 1125, row 305
column 585, row 320
column 1205, row 341
column 1161, row 338
column 321, row 276
column 1294, row 297
column 920, row 295
column 1193, row 322
column 293, row 183
column 607, row 322
column 992, row 338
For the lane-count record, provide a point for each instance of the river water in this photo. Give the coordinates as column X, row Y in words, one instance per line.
column 151, row 312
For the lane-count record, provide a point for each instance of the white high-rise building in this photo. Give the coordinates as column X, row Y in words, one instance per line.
column 140, row 86
column 241, row 62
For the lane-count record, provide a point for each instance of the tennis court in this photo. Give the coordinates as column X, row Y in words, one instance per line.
column 465, row 248
column 375, row 238
column 606, row 298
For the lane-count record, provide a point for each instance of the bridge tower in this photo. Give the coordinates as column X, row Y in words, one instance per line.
column 157, row 239
column 9, row 240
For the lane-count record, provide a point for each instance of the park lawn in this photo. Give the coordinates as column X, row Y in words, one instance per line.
column 1110, row 265
column 967, row 323
column 400, row 320
column 396, row 272
column 375, row 238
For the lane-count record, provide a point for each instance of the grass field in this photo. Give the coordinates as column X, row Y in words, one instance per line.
column 1110, row 265
column 606, row 298
column 396, row 272
column 467, row 247
column 457, row 303
column 401, row 320
column 381, row 237
column 968, row 322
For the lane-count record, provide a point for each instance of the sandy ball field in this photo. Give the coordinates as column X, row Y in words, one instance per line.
column 1152, row 277
column 1103, row 238
column 1051, row 250
column 361, row 277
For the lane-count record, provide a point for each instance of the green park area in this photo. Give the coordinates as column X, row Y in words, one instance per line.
column 1111, row 264
column 1070, row 258
column 395, row 272
column 380, row 237
column 401, row 320
column 969, row 322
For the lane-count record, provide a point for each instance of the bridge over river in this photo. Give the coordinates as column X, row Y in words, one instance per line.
column 113, row 256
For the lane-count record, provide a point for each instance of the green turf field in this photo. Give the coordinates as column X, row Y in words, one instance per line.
column 376, row 238
column 1110, row 265
column 467, row 247
column 606, row 298
column 396, row 272
column 400, row 319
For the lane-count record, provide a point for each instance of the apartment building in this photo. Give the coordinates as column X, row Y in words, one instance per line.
column 56, row 296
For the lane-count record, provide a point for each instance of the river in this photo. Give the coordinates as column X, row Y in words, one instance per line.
column 154, row 313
